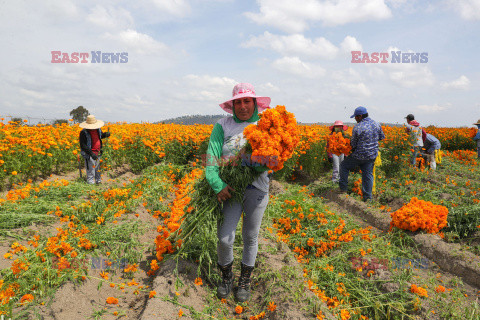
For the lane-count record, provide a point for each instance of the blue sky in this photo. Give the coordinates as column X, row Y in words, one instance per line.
column 185, row 56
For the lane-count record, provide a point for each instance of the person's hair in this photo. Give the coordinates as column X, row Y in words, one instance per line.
column 364, row 116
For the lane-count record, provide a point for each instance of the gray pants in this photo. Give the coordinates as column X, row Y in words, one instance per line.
column 92, row 168
column 254, row 204
column 336, row 161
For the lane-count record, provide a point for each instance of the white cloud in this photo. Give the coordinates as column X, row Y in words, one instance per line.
column 33, row 94
column 138, row 42
column 468, row 9
column 413, row 76
column 376, row 72
column 294, row 45
column 207, row 88
column 207, row 81
column 137, row 100
column 350, row 44
column 347, row 75
column 397, row 3
column 178, row 8
column 294, row 16
column 431, row 108
column 110, row 17
column 356, row 89
column 61, row 9
column 410, row 75
column 461, row 83
column 267, row 87
column 295, row 66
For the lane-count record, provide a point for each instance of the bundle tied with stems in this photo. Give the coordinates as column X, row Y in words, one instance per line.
column 270, row 143
column 338, row 144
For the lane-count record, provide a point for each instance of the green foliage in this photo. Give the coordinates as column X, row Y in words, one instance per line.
column 457, row 141
column 18, row 121
column 182, row 152
column 395, row 155
column 288, row 167
column 463, row 221
column 60, row 121
column 79, row 114
column 315, row 160
column 139, row 156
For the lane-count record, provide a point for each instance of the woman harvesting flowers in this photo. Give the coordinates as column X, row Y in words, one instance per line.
column 240, row 181
column 226, row 142
column 338, row 146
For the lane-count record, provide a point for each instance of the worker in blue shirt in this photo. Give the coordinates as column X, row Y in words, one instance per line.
column 477, row 137
column 365, row 136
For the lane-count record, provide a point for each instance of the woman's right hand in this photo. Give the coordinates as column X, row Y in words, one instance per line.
column 225, row 194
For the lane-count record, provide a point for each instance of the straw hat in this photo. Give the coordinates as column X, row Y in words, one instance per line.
column 478, row 122
column 91, row 123
column 243, row 90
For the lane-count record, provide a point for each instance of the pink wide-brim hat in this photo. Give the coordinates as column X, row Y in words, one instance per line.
column 339, row 123
column 245, row 90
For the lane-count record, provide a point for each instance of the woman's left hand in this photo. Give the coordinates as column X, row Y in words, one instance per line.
column 225, row 194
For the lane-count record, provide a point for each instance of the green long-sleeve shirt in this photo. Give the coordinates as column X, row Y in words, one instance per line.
column 226, row 141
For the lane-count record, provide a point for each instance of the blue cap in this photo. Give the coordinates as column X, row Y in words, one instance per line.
column 359, row 111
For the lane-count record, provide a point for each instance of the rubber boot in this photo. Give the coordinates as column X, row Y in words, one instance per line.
column 225, row 286
column 242, row 293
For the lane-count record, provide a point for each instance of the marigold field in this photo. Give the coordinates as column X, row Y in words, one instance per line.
column 117, row 238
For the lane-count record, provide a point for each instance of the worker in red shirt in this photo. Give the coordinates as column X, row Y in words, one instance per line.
column 91, row 147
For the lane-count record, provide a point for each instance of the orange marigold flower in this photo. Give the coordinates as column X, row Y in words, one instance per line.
column 238, row 309
column 26, row 298
column 419, row 291
column 440, row 289
column 152, row 294
column 112, row 300
column 198, row 281
column 272, row 306
column 131, row 268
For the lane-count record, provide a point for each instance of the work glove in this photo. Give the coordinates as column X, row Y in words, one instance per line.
column 94, row 156
column 107, row 134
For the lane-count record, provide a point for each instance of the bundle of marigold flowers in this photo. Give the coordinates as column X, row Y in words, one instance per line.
column 270, row 143
column 338, row 144
column 274, row 138
column 420, row 214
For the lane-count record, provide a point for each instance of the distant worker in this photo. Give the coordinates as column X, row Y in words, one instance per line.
column 477, row 137
column 431, row 144
column 91, row 147
column 414, row 128
column 338, row 126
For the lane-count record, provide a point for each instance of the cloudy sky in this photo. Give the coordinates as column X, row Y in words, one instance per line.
column 185, row 56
